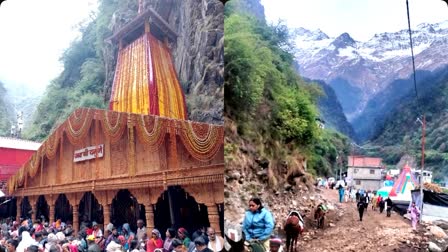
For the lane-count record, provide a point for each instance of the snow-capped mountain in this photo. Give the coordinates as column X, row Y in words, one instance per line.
column 358, row 70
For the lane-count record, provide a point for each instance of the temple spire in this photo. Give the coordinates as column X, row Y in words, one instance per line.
column 140, row 6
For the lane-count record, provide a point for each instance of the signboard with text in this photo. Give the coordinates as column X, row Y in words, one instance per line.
column 88, row 153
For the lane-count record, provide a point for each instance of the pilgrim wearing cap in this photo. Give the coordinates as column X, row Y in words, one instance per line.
column 275, row 244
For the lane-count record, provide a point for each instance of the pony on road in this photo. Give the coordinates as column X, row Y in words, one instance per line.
column 293, row 228
column 319, row 215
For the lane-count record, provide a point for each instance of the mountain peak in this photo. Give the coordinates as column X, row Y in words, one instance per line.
column 310, row 35
column 344, row 40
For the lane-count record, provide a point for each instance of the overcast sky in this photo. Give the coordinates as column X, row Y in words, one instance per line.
column 34, row 34
column 360, row 18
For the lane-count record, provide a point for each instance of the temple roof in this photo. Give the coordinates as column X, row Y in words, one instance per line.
column 203, row 142
column 154, row 19
column 146, row 82
column 18, row 144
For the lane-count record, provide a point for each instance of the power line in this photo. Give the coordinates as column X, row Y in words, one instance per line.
column 412, row 56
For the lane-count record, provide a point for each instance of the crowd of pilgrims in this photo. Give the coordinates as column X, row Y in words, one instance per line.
column 25, row 236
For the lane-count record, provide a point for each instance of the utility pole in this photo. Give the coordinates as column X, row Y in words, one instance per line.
column 423, row 123
column 423, row 165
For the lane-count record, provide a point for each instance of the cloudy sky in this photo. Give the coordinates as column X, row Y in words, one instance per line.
column 360, row 18
column 33, row 36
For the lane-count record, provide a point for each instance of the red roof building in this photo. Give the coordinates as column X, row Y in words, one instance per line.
column 361, row 161
column 364, row 172
column 13, row 154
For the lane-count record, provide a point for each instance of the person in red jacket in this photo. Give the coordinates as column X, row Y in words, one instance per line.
column 155, row 241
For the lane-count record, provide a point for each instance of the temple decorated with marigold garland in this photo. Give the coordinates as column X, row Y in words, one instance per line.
column 142, row 159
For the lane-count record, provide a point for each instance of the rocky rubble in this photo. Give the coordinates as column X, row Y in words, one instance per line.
column 431, row 236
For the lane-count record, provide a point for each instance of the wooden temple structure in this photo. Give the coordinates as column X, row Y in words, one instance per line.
column 140, row 159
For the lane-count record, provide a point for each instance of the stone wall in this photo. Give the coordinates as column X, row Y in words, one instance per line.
column 198, row 53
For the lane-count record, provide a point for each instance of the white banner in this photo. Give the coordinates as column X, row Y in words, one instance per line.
column 88, row 153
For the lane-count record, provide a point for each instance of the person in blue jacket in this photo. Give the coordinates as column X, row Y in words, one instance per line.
column 258, row 223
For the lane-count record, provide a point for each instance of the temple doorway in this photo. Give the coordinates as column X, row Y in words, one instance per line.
column 89, row 210
column 25, row 208
column 8, row 208
column 42, row 209
column 126, row 209
column 63, row 210
column 176, row 208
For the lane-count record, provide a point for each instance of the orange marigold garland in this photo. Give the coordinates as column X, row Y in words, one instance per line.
column 113, row 124
column 20, row 176
column 11, row 184
column 78, row 125
column 34, row 163
column 201, row 140
column 131, row 150
column 52, row 143
column 151, row 130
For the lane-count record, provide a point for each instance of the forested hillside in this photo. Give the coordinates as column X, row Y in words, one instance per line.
column 5, row 113
column 401, row 133
column 331, row 111
column 270, row 110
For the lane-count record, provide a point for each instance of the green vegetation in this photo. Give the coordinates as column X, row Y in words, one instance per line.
column 5, row 124
column 274, row 108
column 83, row 80
column 401, row 133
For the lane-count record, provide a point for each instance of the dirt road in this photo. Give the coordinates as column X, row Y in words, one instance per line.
column 375, row 233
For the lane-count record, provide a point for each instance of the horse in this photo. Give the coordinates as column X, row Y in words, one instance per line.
column 319, row 216
column 293, row 228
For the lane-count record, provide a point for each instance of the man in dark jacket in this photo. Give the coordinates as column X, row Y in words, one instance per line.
column 361, row 207
column 201, row 244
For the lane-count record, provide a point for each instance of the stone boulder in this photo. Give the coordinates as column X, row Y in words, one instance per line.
column 433, row 247
column 437, row 232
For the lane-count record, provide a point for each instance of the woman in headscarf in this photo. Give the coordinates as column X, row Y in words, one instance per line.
column 182, row 233
column 26, row 241
column 155, row 241
column 170, row 235
column 128, row 235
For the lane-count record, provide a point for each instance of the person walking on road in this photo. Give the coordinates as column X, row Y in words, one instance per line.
column 415, row 215
column 366, row 200
column 381, row 204
column 341, row 193
column 361, row 208
column 388, row 206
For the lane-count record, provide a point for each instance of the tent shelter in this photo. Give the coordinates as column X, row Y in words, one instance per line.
column 404, row 184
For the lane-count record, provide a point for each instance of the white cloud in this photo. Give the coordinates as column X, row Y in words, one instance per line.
column 33, row 36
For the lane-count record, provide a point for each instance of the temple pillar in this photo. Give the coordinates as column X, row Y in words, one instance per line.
column 213, row 217
column 149, row 214
column 106, row 214
column 33, row 212
column 75, row 218
column 51, row 213
column 19, row 208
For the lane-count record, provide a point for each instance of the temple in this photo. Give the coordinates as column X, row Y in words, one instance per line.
column 139, row 160
column 145, row 80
